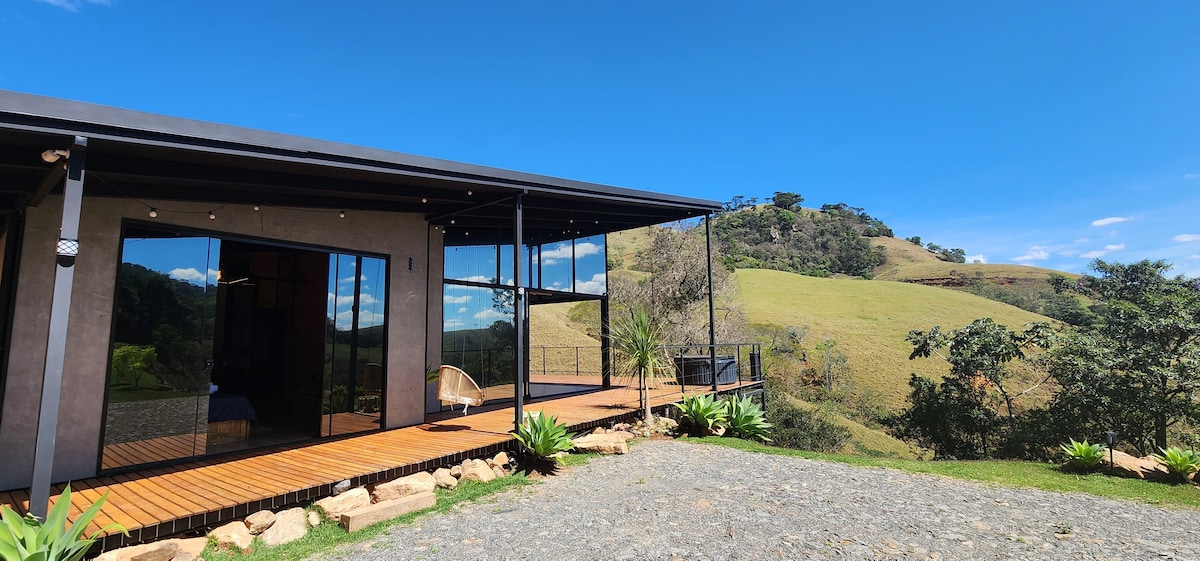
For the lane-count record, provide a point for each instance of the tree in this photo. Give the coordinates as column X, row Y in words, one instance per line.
column 957, row 418
column 638, row 341
column 1137, row 369
column 915, row 240
column 786, row 200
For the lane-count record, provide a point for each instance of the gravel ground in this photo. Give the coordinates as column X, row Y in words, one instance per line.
column 676, row 500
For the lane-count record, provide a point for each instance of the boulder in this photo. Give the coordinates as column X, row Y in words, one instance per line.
column 341, row 487
column 625, row 435
column 476, row 470
column 665, row 424
column 258, row 522
column 334, row 506
column 1125, row 465
column 499, row 471
column 290, row 525
column 602, row 444
column 163, row 551
column 501, row 459
column 445, row 479
column 233, row 534
column 419, row 482
column 190, row 549
column 456, row 471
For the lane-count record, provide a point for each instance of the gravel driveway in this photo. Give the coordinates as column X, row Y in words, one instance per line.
column 677, row 500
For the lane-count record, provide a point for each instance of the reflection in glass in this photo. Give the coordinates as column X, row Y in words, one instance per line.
column 555, row 261
column 478, row 336
column 590, row 275
column 472, row 263
column 157, row 391
column 352, row 384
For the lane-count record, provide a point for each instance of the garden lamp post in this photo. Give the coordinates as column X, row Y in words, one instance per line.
column 1110, row 438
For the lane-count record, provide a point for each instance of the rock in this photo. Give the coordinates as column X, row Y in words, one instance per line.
column 334, row 506
column 598, row 430
column 501, row 459
column 190, row 549
column 258, row 522
column 602, row 444
column 341, row 487
column 233, row 534
column 445, row 478
column 314, row 519
column 419, row 482
column 476, row 470
column 456, row 471
column 627, row 436
column 290, row 525
column 163, row 551
column 665, row 424
column 1125, row 465
column 499, row 471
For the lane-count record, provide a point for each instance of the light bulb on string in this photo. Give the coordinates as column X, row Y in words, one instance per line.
column 255, row 207
column 341, row 214
column 424, row 200
column 212, row 215
column 153, row 212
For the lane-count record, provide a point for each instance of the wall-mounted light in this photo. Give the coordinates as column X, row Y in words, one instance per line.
column 55, row 154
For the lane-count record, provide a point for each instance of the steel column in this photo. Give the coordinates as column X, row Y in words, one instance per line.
column 56, row 337
column 521, row 343
column 605, row 345
column 712, row 310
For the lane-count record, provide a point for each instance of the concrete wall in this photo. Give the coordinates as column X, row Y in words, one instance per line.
column 411, row 296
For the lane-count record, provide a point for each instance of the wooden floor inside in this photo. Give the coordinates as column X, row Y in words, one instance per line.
column 157, row 502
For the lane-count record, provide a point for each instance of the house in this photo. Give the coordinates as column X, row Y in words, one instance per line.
column 174, row 289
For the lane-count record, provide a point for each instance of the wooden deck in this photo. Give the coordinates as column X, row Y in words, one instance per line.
column 162, row 501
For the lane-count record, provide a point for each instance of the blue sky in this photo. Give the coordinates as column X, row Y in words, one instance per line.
column 1023, row 132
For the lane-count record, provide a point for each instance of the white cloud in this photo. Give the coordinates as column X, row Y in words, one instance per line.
column 1184, row 238
column 1194, row 256
column 1035, row 253
column 363, row 300
column 462, row 310
column 1102, row 252
column 476, row 278
column 1110, row 220
column 191, row 274
column 598, row 284
column 490, row 315
column 452, row 323
column 73, row 5
column 1093, row 254
column 351, row 279
column 366, row 318
column 563, row 251
column 1191, row 176
column 980, row 258
column 1114, row 247
column 448, row 299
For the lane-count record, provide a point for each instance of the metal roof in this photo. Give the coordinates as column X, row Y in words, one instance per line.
column 147, row 156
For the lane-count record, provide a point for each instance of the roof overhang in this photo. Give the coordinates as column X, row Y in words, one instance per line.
column 154, row 157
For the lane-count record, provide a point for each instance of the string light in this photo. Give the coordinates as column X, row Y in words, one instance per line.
column 341, row 214
column 452, row 221
column 153, row 212
column 469, row 193
column 424, row 200
column 212, row 215
column 255, row 208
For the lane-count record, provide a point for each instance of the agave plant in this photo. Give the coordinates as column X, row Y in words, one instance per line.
column 29, row 539
column 1082, row 456
column 1181, row 463
column 745, row 419
column 702, row 415
column 542, row 437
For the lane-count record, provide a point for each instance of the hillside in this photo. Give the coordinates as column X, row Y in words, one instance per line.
column 910, row 263
column 869, row 320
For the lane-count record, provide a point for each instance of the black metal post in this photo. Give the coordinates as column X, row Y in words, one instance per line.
column 56, row 339
column 519, row 312
column 712, row 310
column 605, row 343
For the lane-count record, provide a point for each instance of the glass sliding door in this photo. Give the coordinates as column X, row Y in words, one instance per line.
column 354, row 344
column 157, row 392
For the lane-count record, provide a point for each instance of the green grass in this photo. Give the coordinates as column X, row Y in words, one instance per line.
column 1008, row 473
column 324, row 538
column 869, row 320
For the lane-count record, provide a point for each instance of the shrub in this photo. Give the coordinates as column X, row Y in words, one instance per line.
column 541, row 437
column 1181, row 463
column 803, row 429
column 702, row 415
column 745, row 418
column 27, row 538
column 1082, row 456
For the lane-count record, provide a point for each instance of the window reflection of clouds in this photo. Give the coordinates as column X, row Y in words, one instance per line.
column 372, row 296
column 472, row 307
column 591, row 276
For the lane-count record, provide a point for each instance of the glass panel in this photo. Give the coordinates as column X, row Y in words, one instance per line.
column 555, row 261
column 478, row 336
column 506, row 265
column 590, row 275
column 531, row 260
column 354, row 371
column 473, row 263
column 157, row 391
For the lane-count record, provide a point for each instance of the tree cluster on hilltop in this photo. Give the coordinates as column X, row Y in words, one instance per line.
column 784, row 237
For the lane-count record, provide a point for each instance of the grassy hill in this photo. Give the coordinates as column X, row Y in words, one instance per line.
column 911, row 263
column 869, row 320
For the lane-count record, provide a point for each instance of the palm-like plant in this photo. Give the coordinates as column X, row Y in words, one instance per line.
column 1082, row 456
column 639, row 342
